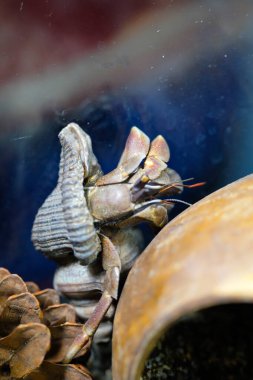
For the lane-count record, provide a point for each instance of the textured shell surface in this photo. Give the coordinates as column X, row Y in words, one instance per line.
column 80, row 282
column 77, row 282
column 82, row 286
column 63, row 223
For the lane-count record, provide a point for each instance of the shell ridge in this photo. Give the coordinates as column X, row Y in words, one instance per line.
column 75, row 207
column 63, row 223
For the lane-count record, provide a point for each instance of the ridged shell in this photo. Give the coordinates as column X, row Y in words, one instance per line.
column 79, row 282
column 63, row 224
column 82, row 286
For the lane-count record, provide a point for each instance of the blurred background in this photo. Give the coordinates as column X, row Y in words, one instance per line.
column 178, row 68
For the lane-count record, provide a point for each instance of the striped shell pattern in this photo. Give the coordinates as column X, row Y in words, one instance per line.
column 64, row 224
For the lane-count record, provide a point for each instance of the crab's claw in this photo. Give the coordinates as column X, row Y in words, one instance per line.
column 81, row 342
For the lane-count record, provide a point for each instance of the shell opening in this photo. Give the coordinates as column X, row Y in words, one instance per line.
column 212, row 343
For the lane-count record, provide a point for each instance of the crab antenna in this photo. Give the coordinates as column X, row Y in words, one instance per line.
column 172, row 200
column 170, row 186
column 187, row 179
column 167, row 187
column 195, row 185
column 106, row 184
column 160, row 201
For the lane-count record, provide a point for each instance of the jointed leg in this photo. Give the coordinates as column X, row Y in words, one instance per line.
column 111, row 264
column 155, row 214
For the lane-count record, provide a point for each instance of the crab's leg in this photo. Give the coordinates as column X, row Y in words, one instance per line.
column 157, row 215
column 112, row 265
column 136, row 149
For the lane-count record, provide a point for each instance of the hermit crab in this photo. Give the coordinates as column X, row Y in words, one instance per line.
column 88, row 222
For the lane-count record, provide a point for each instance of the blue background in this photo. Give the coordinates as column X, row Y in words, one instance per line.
column 205, row 115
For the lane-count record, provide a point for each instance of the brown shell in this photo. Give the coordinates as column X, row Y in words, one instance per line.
column 81, row 282
column 63, row 224
column 201, row 258
column 82, row 285
column 76, row 281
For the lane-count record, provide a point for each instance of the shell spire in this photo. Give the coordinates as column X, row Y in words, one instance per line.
column 63, row 224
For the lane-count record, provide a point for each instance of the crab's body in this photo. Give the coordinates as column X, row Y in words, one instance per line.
column 88, row 213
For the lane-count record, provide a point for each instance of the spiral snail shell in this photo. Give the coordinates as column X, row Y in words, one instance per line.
column 64, row 224
column 202, row 258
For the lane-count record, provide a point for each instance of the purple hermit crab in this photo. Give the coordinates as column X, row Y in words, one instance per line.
column 87, row 222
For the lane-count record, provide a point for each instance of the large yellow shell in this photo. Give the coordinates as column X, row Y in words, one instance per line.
column 202, row 258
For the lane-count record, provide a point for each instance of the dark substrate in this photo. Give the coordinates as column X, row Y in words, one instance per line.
column 213, row 344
